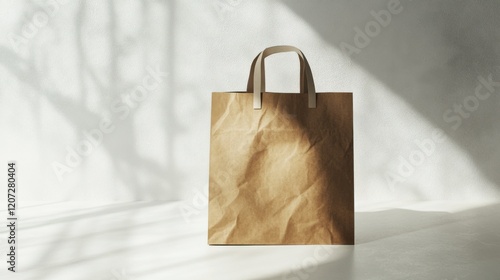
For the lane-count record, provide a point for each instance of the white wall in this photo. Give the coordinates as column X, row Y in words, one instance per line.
column 80, row 59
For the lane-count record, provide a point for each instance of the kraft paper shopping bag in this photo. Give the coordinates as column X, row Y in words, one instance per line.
column 281, row 164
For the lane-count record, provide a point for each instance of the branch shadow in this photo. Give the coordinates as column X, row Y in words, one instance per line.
column 120, row 147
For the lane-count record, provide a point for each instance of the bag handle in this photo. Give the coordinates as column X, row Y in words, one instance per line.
column 303, row 81
column 259, row 78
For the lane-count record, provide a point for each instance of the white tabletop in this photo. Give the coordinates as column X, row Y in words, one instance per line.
column 154, row 240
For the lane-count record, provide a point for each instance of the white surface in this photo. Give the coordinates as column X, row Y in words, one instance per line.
column 152, row 240
column 92, row 53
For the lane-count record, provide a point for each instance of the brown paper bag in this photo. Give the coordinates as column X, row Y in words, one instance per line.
column 281, row 164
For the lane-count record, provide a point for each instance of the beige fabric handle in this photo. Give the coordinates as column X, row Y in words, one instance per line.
column 303, row 82
column 258, row 77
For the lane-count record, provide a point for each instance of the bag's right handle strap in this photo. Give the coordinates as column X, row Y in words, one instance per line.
column 258, row 77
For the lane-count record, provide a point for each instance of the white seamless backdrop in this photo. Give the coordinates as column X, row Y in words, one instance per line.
column 86, row 118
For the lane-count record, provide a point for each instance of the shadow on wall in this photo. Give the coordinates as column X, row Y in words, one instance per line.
column 127, row 162
column 431, row 54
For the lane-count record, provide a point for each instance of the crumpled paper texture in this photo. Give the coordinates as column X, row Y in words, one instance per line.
column 282, row 174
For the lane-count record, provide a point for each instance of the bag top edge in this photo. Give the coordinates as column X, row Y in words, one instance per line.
column 272, row 92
